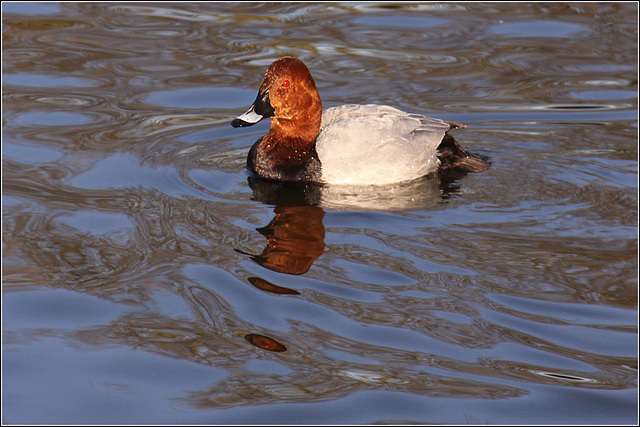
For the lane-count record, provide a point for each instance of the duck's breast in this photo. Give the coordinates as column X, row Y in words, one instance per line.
column 374, row 144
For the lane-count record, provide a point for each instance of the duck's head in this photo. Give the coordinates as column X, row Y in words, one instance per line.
column 289, row 96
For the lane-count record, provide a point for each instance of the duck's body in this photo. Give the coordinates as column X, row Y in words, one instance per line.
column 349, row 144
column 383, row 145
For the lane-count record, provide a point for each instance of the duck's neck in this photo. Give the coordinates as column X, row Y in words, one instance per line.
column 286, row 134
column 285, row 155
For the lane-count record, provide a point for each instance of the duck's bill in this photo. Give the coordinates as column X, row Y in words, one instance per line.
column 260, row 109
column 247, row 119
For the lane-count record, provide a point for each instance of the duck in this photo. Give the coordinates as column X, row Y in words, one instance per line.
column 347, row 144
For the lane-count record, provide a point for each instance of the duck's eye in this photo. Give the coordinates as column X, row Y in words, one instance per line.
column 285, row 83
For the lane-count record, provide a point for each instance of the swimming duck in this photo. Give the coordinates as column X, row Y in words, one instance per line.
column 349, row 144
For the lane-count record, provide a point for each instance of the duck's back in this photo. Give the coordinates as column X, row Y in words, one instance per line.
column 374, row 144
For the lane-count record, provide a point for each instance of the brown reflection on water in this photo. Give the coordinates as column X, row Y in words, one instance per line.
column 265, row 343
column 270, row 287
column 295, row 239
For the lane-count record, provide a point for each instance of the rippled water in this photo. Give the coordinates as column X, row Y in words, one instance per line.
column 146, row 279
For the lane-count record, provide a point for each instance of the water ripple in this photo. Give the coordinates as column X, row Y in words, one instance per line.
column 141, row 259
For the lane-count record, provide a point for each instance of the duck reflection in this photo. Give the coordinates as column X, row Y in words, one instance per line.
column 295, row 239
column 295, row 235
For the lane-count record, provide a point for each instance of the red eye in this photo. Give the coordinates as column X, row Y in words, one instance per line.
column 285, row 83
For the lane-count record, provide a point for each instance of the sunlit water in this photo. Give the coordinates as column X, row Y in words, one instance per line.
column 146, row 279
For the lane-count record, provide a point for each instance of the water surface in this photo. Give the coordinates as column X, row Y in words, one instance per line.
column 147, row 278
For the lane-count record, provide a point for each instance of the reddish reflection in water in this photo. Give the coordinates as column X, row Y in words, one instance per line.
column 270, row 287
column 295, row 239
column 265, row 343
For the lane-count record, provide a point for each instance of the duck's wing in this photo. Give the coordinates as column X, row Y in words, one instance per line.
column 378, row 113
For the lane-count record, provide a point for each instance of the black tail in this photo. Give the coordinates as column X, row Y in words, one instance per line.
column 453, row 156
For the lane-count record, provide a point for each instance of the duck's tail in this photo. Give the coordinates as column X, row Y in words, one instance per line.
column 453, row 156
